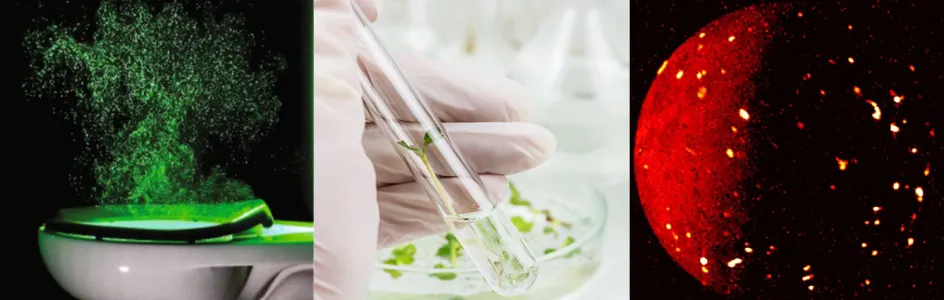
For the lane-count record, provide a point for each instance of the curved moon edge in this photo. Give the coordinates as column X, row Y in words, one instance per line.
column 693, row 145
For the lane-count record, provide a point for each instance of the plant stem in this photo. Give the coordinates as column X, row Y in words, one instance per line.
column 439, row 187
column 452, row 211
column 442, row 194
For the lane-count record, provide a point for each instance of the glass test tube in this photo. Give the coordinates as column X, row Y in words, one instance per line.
column 483, row 229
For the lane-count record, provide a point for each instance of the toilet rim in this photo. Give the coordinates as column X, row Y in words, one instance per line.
column 229, row 220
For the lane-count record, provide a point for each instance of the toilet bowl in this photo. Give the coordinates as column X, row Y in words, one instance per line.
column 234, row 251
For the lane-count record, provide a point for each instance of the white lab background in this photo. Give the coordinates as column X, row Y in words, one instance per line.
column 573, row 56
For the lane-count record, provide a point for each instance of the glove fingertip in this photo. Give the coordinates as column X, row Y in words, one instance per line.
column 370, row 8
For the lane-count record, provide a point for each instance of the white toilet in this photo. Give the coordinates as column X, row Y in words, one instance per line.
column 179, row 252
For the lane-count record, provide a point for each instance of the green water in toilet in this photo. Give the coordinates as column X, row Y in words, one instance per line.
column 150, row 88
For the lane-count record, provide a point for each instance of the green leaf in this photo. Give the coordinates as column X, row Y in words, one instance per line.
column 408, row 249
column 451, row 238
column 445, row 251
column 443, row 275
column 393, row 273
column 515, row 198
column 430, row 137
column 549, row 250
column 569, row 240
column 404, row 145
column 405, row 260
column 404, row 254
column 550, row 230
column 452, row 244
column 521, row 224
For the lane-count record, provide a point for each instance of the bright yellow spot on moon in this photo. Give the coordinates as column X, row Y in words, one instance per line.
column 744, row 115
column 703, row 261
column 662, row 68
column 679, row 74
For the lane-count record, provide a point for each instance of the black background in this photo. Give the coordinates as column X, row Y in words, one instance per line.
column 40, row 154
column 813, row 224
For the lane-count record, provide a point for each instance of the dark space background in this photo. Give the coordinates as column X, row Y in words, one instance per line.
column 811, row 210
column 40, row 154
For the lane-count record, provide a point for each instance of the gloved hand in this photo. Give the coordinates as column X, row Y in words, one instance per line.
column 365, row 196
column 484, row 117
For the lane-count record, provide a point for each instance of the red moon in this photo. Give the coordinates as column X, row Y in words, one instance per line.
column 693, row 142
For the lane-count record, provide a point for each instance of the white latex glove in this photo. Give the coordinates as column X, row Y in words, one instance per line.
column 486, row 120
column 345, row 205
column 362, row 204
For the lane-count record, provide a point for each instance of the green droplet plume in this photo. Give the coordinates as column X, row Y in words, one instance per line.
column 150, row 90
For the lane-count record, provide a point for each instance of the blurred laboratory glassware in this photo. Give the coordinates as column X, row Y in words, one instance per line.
column 485, row 49
column 581, row 88
column 618, row 27
column 522, row 18
column 606, row 166
column 426, row 28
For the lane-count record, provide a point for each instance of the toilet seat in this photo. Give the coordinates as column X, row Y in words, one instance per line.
column 137, row 224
